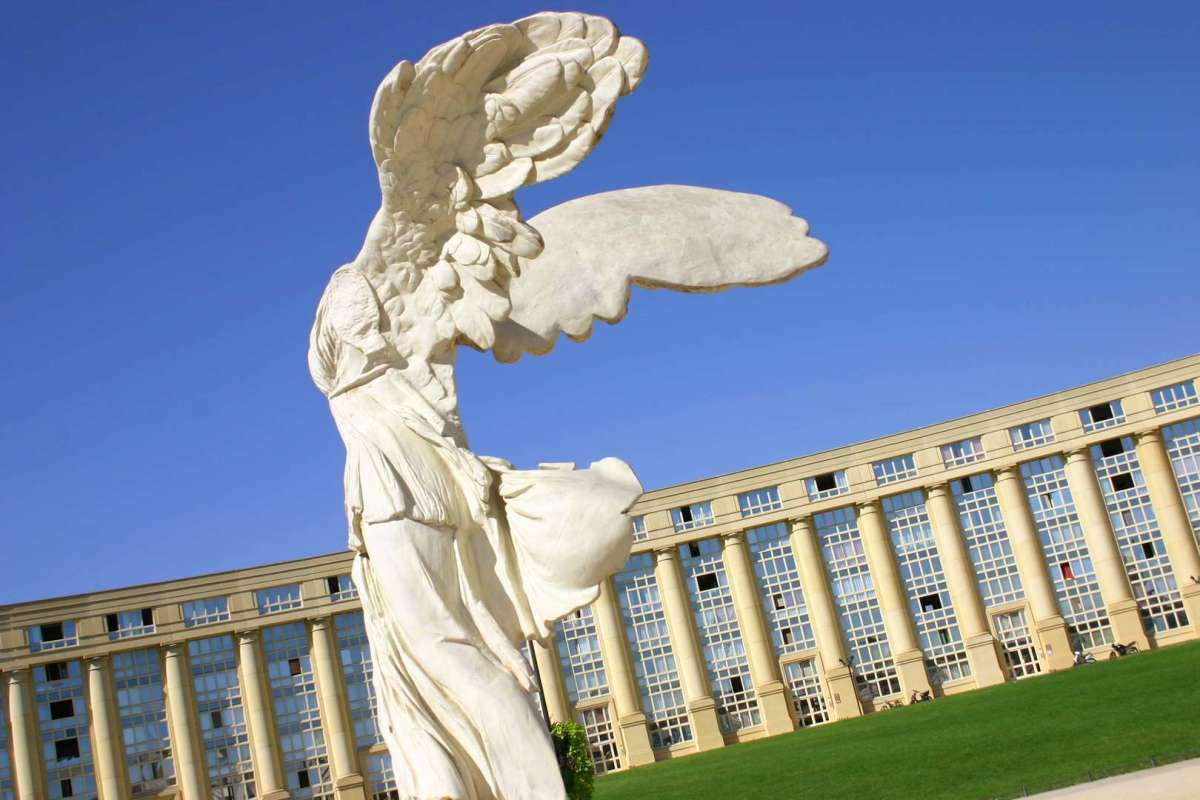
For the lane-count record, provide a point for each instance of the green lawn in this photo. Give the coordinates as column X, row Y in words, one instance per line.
column 1049, row 731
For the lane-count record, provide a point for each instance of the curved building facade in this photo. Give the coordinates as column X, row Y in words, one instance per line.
column 984, row 549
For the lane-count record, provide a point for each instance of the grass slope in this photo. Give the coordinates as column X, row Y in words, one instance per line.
column 1038, row 734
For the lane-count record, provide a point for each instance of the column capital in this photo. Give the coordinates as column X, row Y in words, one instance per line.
column 1009, row 472
column 323, row 621
column 96, row 662
column 1150, row 435
column 937, row 489
column 173, row 649
column 247, row 635
column 1076, row 453
column 734, row 537
column 16, row 675
column 864, row 507
column 802, row 524
column 665, row 554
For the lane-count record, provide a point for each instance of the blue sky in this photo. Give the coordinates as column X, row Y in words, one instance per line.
column 1009, row 193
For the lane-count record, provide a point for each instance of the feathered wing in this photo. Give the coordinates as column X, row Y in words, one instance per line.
column 596, row 248
column 454, row 136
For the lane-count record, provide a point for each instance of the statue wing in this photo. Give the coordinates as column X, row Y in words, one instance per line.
column 686, row 238
column 457, row 134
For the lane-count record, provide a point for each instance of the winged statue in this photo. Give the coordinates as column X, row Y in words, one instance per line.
column 460, row 559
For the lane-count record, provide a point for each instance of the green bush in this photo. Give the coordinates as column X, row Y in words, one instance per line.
column 574, row 759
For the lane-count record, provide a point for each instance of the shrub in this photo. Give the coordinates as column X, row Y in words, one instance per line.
column 574, row 759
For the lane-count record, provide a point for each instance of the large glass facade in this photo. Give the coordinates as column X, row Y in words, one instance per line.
column 808, row 698
column 720, row 637
column 142, row 709
column 578, row 646
column 223, row 733
column 1183, row 446
column 381, row 781
column 1066, row 552
column 987, row 540
column 925, row 583
column 779, row 588
column 858, row 607
column 1136, row 527
column 654, row 666
column 601, row 739
column 297, row 716
column 63, row 721
column 358, row 671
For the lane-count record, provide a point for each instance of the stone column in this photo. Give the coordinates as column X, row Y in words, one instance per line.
column 550, row 672
column 257, row 703
column 772, row 695
column 26, row 740
column 631, row 720
column 108, row 753
column 1122, row 609
column 1173, row 522
column 692, row 672
column 335, row 718
column 893, row 599
column 823, row 614
column 191, row 775
column 983, row 651
column 1031, row 566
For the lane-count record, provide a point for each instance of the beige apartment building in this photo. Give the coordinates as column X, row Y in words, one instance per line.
column 984, row 549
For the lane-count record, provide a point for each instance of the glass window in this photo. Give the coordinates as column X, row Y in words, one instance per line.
column 578, row 644
column 696, row 515
column 1177, row 395
column 968, row 451
column 1031, row 434
column 639, row 529
column 1101, row 416
column 341, row 588
column 894, row 469
column 278, row 598
column 142, row 708
column 297, row 718
column 126, row 624
column 759, row 501
column 206, row 611
column 52, row 636
column 829, row 484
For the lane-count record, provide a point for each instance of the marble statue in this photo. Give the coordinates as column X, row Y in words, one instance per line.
column 462, row 558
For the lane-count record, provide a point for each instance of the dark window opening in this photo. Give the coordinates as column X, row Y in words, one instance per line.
column 111, row 623
column 1101, row 412
column 966, row 485
column 65, row 788
column 931, row 602
column 56, row 671
column 706, row 581
column 333, row 585
column 66, row 748
column 1122, row 481
column 825, row 482
column 1067, row 573
column 786, row 633
column 62, row 709
column 147, row 617
column 294, row 666
column 685, row 513
column 777, row 601
column 217, row 722
column 735, row 683
column 693, row 550
column 1112, row 447
column 52, row 632
column 1048, row 500
column 303, row 779
column 943, row 635
column 1147, row 549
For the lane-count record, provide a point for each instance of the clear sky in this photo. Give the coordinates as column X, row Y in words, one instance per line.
column 1009, row 191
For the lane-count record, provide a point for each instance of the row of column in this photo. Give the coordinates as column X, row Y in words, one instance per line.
column 982, row 648
column 187, row 750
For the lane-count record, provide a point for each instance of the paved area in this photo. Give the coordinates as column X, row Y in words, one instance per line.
column 1179, row 781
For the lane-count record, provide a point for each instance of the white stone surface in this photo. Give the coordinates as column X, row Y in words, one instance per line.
column 462, row 558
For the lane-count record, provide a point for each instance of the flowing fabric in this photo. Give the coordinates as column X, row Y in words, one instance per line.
column 459, row 560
